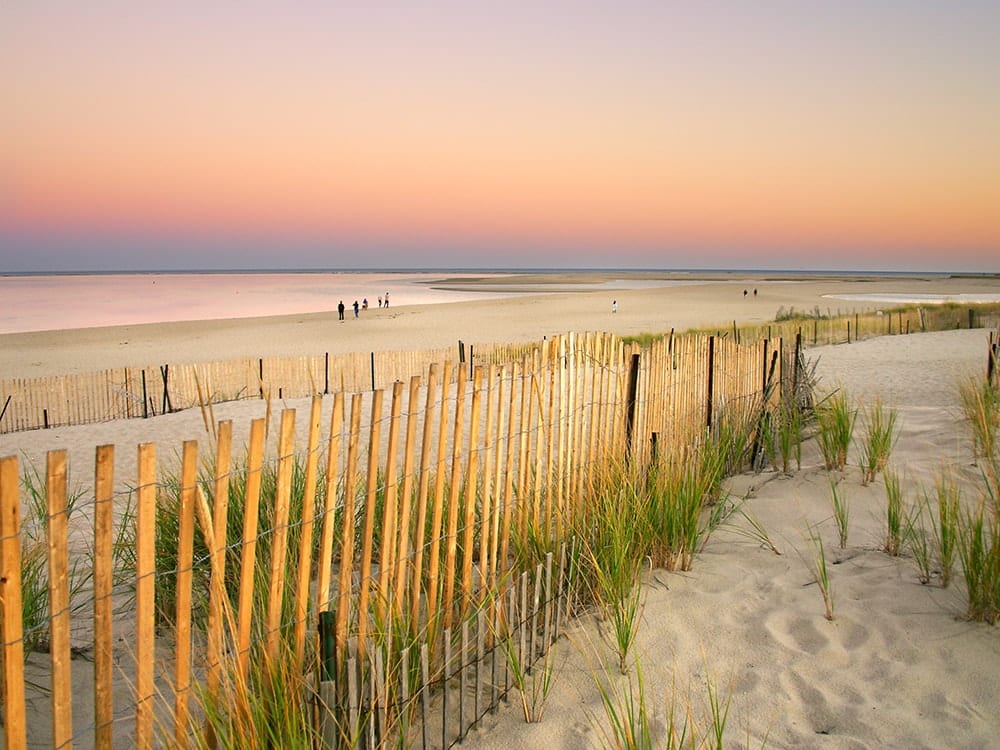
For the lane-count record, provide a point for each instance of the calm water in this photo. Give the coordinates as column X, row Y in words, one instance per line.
column 40, row 303
column 58, row 302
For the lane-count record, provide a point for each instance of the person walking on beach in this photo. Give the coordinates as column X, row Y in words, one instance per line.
column 340, row 309
column 364, row 304
column 355, row 308
column 614, row 305
column 380, row 303
column 387, row 298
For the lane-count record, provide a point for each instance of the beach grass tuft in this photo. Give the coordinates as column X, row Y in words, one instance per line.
column 894, row 513
column 919, row 540
column 979, row 553
column 878, row 440
column 835, row 418
column 841, row 512
column 949, row 500
column 818, row 566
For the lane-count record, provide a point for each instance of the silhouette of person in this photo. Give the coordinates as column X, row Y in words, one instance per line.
column 355, row 308
column 340, row 309
column 387, row 298
column 614, row 305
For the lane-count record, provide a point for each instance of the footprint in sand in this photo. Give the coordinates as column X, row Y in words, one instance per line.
column 796, row 633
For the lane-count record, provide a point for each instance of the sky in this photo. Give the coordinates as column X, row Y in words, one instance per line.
column 628, row 134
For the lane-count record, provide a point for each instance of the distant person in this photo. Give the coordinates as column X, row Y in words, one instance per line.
column 754, row 292
column 387, row 298
column 614, row 305
column 380, row 303
column 355, row 308
column 340, row 309
column 744, row 293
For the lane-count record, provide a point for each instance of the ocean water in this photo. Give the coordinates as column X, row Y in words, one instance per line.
column 39, row 303
column 69, row 301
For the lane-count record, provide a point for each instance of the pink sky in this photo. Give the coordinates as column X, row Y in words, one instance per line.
column 635, row 134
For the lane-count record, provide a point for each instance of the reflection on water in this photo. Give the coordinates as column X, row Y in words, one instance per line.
column 40, row 303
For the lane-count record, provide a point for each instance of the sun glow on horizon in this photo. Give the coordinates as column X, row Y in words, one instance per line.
column 657, row 131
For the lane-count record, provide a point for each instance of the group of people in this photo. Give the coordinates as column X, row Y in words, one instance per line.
column 382, row 302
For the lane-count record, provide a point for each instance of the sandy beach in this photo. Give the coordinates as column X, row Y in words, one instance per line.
column 716, row 301
column 898, row 667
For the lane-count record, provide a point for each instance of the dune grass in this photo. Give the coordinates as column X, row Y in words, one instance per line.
column 682, row 722
column 877, row 442
column 835, row 419
column 919, row 539
column 841, row 512
column 789, row 423
column 949, row 502
column 819, row 569
column 895, row 513
column 979, row 554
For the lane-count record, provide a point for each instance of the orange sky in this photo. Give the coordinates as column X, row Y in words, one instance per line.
column 654, row 137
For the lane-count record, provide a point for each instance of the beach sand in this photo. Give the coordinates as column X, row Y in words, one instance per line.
column 898, row 667
column 718, row 301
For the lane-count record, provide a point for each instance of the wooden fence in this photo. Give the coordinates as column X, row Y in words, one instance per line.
column 131, row 392
column 391, row 544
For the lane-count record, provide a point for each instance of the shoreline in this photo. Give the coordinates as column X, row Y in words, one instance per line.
column 518, row 319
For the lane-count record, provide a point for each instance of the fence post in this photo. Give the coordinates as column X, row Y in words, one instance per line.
column 631, row 404
column 167, row 407
column 11, row 626
column 795, row 364
column 373, row 370
column 326, row 373
column 711, row 374
column 145, row 398
column 991, row 362
column 972, row 316
column 260, row 375
column 461, row 352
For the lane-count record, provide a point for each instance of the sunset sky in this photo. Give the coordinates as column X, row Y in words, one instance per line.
column 176, row 135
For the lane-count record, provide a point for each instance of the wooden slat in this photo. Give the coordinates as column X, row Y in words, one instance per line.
column 367, row 539
column 403, row 544
column 471, row 491
column 423, row 488
column 390, row 500
column 485, row 479
column 330, row 504
column 279, row 539
column 451, row 536
column 145, row 590
column 248, row 553
column 104, row 465
column 185, row 559
column 306, row 532
column 434, row 533
column 15, row 726
column 217, row 601
column 59, row 624
column 347, row 540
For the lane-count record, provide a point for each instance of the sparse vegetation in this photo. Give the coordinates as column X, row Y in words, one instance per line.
column 879, row 438
column 841, row 512
column 835, row 419
column 818, row 567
